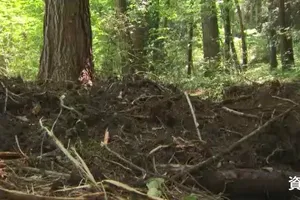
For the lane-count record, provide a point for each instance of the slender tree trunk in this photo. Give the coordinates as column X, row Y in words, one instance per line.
column 165, row 20
column 243, row 34
column 272, row 37
column 67, row 48
column 139, row 36
column 258, row 16
column 124, row 38
column 227, row 29
column 190, row 48
column 154, row 21
column 121, row 11
column 229, row 47
column 286, row 47
column 234, row 54
column 210, row 30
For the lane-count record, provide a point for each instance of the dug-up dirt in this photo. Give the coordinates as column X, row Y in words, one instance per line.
column 138, row 139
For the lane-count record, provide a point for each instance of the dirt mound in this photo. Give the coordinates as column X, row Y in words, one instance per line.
column 150, row 126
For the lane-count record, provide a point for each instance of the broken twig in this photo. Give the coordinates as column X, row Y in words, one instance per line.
column 239, row 113
column 194, row 118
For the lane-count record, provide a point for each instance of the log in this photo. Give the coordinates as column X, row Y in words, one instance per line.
column 249, row 183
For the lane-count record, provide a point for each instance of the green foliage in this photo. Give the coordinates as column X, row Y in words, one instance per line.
column 190, row 197
column 155, row 187
column 21, row 25
column 21, row 35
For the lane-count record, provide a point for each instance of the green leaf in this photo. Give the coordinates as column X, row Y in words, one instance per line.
column 190, row 197
column 154, row 187
column 155, row 183
column 153, row 192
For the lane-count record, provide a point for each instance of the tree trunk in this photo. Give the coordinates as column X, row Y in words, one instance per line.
column 139, row 36
column 243, row 34
column 286, row 43
column 139, row 39
column 210, row 30
column 229, row 47
column 227, row 29
column 272, row 37
column 154, row 23
column 234, row 54
column 124, row 38
column 258, row 16
column 67, row 48
column 190, row 48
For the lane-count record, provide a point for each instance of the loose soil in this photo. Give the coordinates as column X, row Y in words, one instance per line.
column 151, row 133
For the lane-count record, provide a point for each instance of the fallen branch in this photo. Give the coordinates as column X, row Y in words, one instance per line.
column 79, row 163
column 42, row 171
column 194, row 118
column 254, row 182
column 233, row 146
column 10, row 155
column 285, row 99
column 16, row 195
column 239, row 113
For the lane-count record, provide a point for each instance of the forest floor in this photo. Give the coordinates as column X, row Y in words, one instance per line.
column 131, row 130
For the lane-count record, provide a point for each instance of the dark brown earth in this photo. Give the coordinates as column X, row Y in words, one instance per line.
column 150, row 125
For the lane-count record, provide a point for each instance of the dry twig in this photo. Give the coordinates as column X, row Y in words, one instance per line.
column 239, row 113
column 285, row 99
column 194, row 118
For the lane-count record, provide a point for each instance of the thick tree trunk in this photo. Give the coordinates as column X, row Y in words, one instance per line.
column 243, row 34
column 67, row 49
column 286, row 42
column 210, row 30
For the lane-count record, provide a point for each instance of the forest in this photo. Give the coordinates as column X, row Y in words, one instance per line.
column 149, row 99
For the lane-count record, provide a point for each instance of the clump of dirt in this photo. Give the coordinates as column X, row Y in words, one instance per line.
column 149, row 124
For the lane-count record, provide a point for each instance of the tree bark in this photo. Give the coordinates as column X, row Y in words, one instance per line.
column 210, row 30
column 243, row 34
column 286, row 42
column 154, row 26
column 124, row 36
column 227, row 29
column 258, row 16
column 272, row 37
column 67, row 47
column 190, row 48
column 229, row 47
